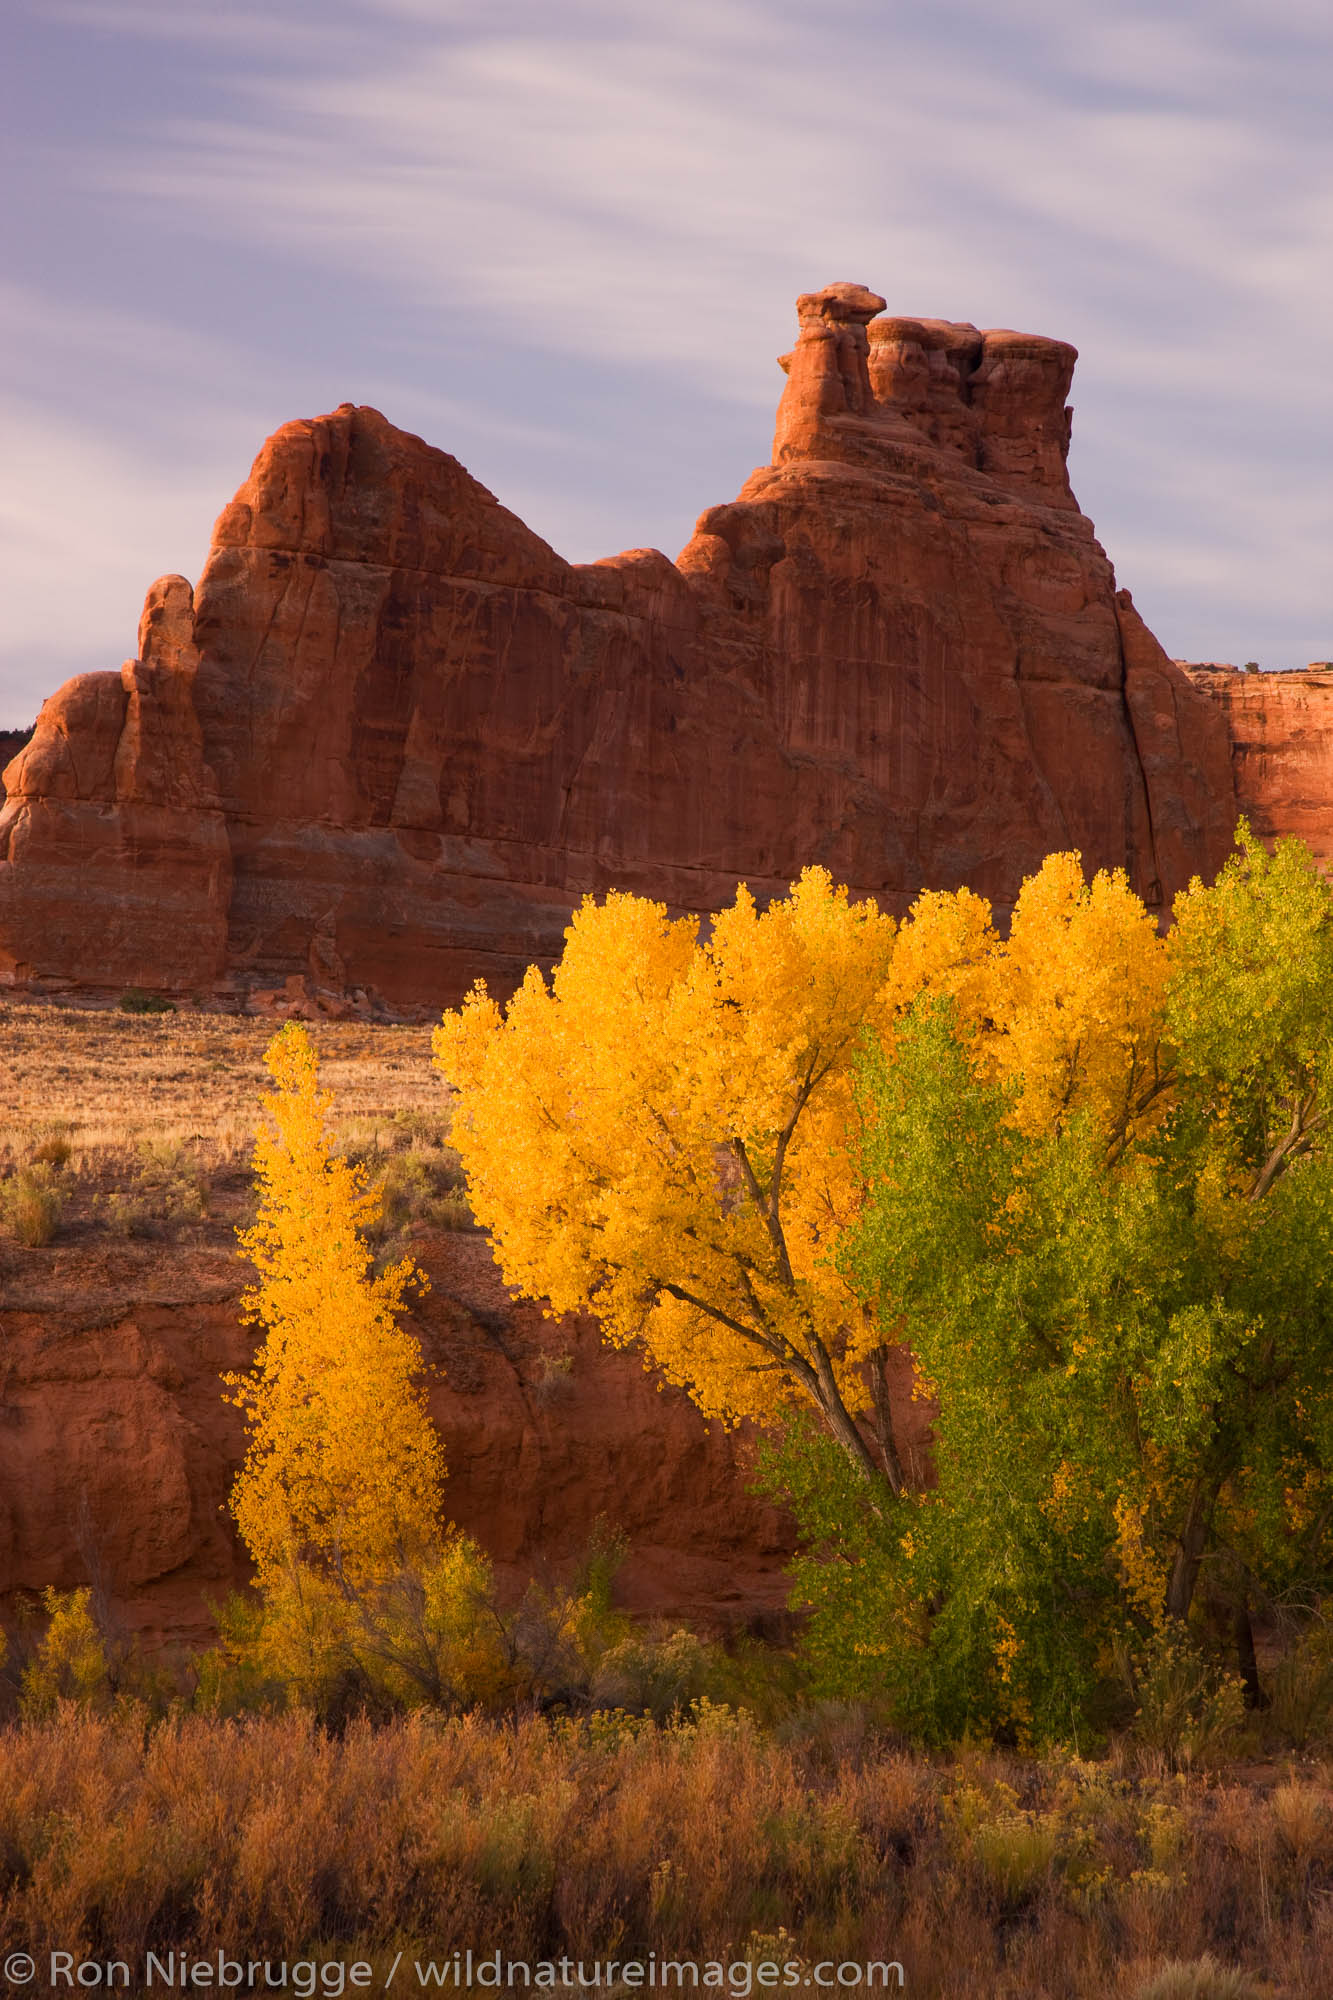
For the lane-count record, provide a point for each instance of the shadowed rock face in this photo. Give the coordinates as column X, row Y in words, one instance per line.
column 120, row 1452
column 392, row 738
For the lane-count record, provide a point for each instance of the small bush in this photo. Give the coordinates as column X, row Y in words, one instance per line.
column 30, row 1204
column 167, row 1189
column 1197, row 1979
column 52, row 1147
column 1302, row 1819
column 70, row 1663
column 1016, row 1854
column 657, row 1674
column 136, row 1001
column 1301, row 1705
column 1189, row 1710
column 419, row 1185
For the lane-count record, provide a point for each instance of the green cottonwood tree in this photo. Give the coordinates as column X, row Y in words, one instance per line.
column 1129, row 1331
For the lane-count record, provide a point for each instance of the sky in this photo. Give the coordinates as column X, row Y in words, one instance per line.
column 562, row 239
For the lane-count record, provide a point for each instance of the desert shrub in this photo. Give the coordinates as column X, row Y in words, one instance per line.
column 1197, row 1979
column 426, row 1128
column 137, row 1001
column 1016, row 1854
column 429, row 1636
column 30, row 1203
column 452, row 1210
column 70, row 1663
column 167, row 1189
column 1189, row 1710
column 52, row 1146
column 434, row 1634
column 1010, row 1850
column 1301, row 1695
column 554, row 1373
column 574, row 1835
column 420, row 1186
column 657, row 1673
column 1302, row 1818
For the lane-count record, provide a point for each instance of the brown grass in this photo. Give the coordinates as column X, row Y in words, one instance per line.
column 145, row 1124
column 605, row 1838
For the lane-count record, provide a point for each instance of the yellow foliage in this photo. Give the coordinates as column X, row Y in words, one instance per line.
column 427, row 1633
column 667, row 1133
column 946, row 950
column 663, row 1136
column 1070, row 1007
column 70, row 1664
column 1078, row 1001
column 1142, row 1571
column 344, row 1467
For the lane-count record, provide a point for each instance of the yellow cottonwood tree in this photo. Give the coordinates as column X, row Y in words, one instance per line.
column 1070, row 1008
column 668, row 1134
column 1078, row 1004
column 343, row 1474
column 664, row 1136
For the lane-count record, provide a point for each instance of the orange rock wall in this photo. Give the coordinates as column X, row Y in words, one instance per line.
column 120, row 1451
column 1281, row 732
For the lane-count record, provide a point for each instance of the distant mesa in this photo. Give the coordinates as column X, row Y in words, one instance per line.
column 392, row 738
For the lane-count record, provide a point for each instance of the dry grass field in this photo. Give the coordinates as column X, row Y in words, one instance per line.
column 115, row 1080
column 710, row 1840
column 144, row 1124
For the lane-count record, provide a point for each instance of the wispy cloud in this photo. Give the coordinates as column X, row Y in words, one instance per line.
column 619, row 194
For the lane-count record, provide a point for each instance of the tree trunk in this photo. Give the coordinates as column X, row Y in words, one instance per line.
column 1246, row 1657
column 843, row 1426
column 888, row 1445
column 1189, row 1549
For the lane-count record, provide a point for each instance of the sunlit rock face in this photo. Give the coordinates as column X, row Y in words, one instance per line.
column 1280, row 728
column 392, row 738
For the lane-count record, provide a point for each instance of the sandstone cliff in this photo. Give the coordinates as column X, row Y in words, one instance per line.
column 1280, row 728
column 392, row 738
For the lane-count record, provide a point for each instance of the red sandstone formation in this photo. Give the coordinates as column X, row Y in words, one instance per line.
column 1281, row 731
column 120, row 1453
column 392, row 738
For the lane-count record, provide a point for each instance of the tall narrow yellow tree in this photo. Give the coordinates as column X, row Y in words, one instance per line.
column 344, row 1468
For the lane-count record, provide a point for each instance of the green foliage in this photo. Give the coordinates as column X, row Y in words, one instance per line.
column 137, row 1001
column 70, row 1663
column 1129, row 1333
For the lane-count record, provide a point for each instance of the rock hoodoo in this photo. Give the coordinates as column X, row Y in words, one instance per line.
column 392, row 738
